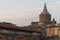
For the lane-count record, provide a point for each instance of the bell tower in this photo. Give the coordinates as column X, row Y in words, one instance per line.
column 45, row 16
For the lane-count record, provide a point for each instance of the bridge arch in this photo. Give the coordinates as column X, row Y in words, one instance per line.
column 2, row 37
column 34, row 38
column 20, row 38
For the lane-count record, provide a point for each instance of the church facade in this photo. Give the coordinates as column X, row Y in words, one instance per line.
column 43, row 28
column 51, row 27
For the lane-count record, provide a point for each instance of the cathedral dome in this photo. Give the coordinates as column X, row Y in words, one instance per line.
column 45, row 16
column 45, row 12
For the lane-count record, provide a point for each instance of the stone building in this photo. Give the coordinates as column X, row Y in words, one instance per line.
column 51, row 27
column 43, row 28
column 9, row 31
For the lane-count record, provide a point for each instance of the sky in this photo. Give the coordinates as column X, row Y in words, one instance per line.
column 23, row 12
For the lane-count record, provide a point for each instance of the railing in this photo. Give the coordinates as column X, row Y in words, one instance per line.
column 5, row 31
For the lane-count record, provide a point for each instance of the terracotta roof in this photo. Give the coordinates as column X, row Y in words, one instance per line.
column 53, row 25
column 9, row 25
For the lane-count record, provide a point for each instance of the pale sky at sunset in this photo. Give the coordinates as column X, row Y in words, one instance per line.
column 23, row 12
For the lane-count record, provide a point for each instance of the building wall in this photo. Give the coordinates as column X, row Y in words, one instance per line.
column 50, row 32
column 9, row 34
column 18, row 37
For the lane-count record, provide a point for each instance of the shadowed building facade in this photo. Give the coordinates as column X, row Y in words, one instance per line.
column 10, row 31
